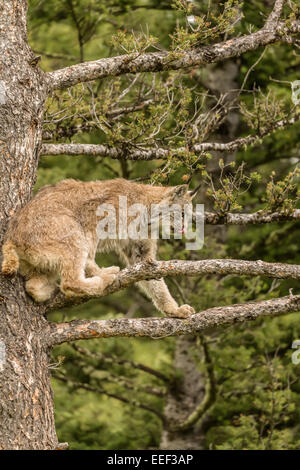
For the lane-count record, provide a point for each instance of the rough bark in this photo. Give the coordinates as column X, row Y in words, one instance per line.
column 26, row 402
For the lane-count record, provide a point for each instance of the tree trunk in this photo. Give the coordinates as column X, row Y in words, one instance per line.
column 182, row 399
column 26, row 401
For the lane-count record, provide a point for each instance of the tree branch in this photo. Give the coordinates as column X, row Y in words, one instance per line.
column 157, row 328
column 109, row 377
column 273, row 31
column 157, row 269
column 102, row 391
column 128, row 153
column 111, row 358
column 117, row 112
column 130, row 384
column 274, row 16
column 259, row 217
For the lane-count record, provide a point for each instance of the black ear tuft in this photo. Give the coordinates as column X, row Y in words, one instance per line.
column 193, row 193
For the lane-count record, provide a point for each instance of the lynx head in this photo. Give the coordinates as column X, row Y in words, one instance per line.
column 179, row 195
column 173, row 203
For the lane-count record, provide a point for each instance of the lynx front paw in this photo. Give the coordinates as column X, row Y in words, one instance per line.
column 183, row 312
column 108, row 279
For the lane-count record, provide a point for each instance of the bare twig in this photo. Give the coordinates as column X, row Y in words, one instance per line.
column 142, row 153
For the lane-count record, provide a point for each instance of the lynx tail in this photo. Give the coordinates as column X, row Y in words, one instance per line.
column 10, row 262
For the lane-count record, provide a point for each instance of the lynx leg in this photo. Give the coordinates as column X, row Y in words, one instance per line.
column 40, row 287
column 73, row 280
column 158, row 292
column 92, row 269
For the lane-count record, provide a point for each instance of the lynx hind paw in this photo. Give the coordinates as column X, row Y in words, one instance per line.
column 111, row 270
column 183, row 312
column 108, row 279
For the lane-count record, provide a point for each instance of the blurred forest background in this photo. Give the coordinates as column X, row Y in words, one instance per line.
column 121, row 393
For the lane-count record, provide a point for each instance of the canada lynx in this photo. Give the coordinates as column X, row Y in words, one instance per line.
column 54, row 238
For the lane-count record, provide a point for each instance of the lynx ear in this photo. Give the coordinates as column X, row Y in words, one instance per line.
column 193, row 193
column 178, row 192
